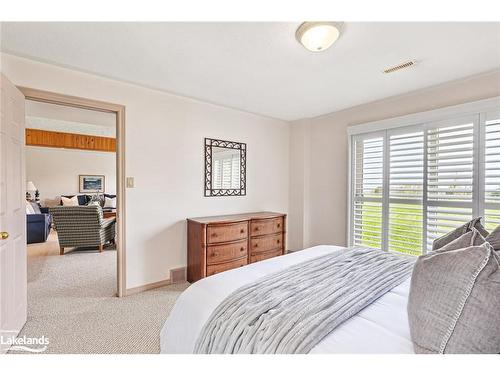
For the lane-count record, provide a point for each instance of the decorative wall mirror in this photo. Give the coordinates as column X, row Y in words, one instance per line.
column 225, row 168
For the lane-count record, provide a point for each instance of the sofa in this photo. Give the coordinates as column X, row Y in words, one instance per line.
column 38, row 224
column 84, row 199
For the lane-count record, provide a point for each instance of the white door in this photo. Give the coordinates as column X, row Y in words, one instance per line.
column 13, row 277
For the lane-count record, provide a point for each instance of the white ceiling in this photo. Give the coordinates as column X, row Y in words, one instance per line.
column 260, row 67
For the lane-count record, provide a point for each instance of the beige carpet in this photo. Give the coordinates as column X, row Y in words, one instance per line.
column 71, row 301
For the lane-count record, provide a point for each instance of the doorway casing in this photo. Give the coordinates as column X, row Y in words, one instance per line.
column 119, row 111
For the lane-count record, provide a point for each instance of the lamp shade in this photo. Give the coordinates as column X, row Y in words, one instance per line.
column 30, row 186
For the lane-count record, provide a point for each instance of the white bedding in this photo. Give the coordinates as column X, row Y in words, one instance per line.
column 382, row 327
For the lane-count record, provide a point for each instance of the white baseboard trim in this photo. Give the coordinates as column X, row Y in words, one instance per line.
column 177, row 276
column 143, row 288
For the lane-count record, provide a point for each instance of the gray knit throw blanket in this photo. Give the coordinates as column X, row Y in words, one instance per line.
column 292, row 310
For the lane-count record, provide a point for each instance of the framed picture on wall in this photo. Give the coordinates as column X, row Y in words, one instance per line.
column 92, row 183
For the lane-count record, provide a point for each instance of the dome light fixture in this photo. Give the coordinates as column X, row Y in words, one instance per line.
column 318, row 36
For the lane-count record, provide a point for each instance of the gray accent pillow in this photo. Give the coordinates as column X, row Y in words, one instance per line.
column 454, row 301
column 472, row 238
column 456, row 233
column 494, row 238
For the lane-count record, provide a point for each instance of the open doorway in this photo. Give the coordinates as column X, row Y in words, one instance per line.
column 75, row 186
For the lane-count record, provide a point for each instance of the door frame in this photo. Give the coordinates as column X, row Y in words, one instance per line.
column 119, row 111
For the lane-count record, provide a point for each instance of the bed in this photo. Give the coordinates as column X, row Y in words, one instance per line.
column 382, row 327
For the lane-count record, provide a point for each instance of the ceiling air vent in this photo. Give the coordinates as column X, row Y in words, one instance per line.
column 404, row 65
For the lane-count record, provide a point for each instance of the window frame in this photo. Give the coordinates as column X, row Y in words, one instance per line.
column 479, row 112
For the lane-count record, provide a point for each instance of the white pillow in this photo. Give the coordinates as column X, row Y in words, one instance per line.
column 110, row 202
column 70, row 202
column 29, row 209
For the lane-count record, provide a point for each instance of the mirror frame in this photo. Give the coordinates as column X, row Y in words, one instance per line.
column 209, row 191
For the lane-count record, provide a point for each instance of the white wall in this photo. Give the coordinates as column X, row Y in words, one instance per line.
column 54, row 171
column 300, row 153
column 324, row 208
column 71, row 114
column 164, row 152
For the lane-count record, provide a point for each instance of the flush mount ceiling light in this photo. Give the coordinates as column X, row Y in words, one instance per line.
column 318, row 36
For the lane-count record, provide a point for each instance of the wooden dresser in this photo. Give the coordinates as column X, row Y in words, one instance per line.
column 220, row 243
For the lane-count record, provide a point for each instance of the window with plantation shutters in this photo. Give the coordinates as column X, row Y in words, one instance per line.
column 406, row 181
column 450, row 176
column 412, row 184
column 491, row 176
column 367, row 201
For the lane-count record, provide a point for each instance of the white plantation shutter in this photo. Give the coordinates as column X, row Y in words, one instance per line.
column 217, row 174
column 367, row 191
column 491, row 162
column 411, row 185
column 226, row 172
column 406, row 173
column 235, row 171
column 450, row 176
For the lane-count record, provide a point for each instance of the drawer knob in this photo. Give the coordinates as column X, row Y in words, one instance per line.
column 214, row 234
column 256, row 245
column 278, row 225
column 278, row 241
column 256, row 229
column 242, row 231
column 242, row 249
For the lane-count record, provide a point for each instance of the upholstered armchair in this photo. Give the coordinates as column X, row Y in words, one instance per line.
column 82, row 226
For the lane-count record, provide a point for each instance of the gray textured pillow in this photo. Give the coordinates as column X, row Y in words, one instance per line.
column 456, row 233
column 494, row 238
column 454, row 301
column 472, row 238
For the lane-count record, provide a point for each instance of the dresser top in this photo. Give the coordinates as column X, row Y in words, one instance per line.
column 236, row 217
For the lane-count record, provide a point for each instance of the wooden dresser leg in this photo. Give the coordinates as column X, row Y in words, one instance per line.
column 101, row 248
column 61, row 250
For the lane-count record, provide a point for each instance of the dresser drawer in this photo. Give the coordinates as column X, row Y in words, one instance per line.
column 265, row 255
column 216, row 268
column 266, row 226
column 266, row 243
column 227, row 232
column 224, row 253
